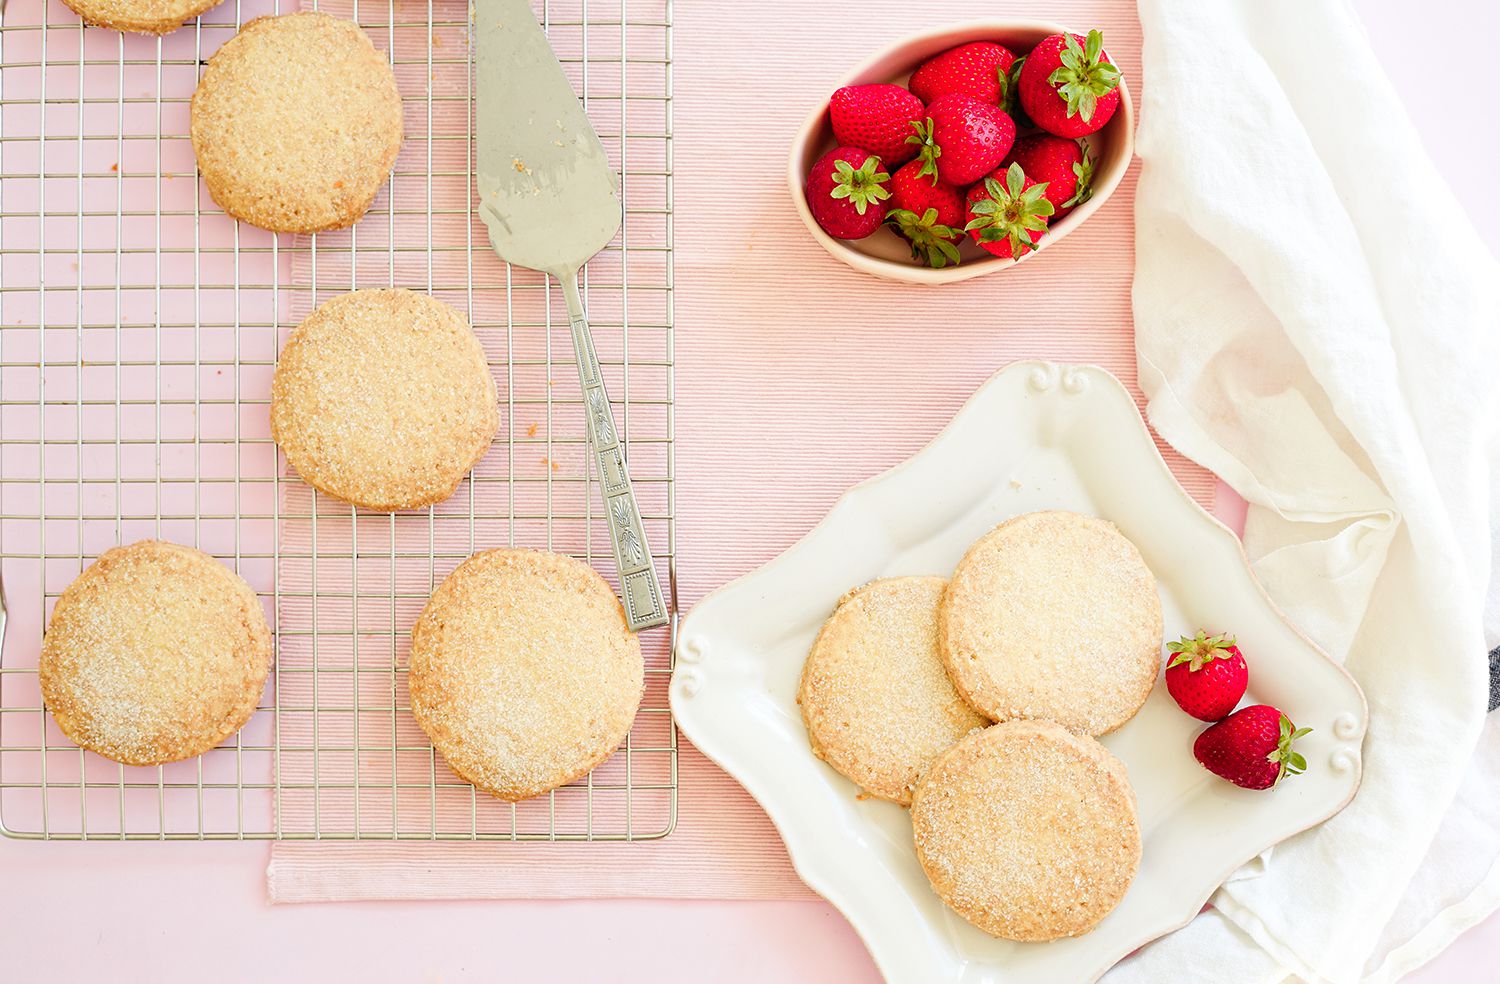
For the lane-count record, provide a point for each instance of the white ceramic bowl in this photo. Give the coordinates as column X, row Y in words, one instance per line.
column 886, row 254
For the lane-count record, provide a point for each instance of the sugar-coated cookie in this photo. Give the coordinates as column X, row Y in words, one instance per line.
column 1053, row 615
column 155, row 653
column 296, row 123
column 876, row 700
column 523, row 672
column 1028, row 830
column 383, row 398
column 139, row 16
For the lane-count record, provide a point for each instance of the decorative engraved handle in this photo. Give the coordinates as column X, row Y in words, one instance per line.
column 644, row 608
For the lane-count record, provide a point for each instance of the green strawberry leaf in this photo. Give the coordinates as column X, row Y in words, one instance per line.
column 1199, row 650
column 1083, row 76
column 1084, row 190
column 931, row 241
column 1010, row 212
column 1015, row 180
column 928, row 151
column 862, row 186
column 1010, row 94
column 1289, row 761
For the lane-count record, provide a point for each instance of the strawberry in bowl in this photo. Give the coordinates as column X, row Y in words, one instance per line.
column 1069, row 87
column 1008, row 213
column 928, row 213
column 847, row 192
column 949, row 107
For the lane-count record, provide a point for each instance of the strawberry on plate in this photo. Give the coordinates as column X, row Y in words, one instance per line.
column 1206, row 675
column 1251, row 747
column 877, row 118
column 846, row 192
column 1065, row 166
column 962, row 139
column 929, row 212
column 1069, row 86
column 1008, row 212
column 978, row 69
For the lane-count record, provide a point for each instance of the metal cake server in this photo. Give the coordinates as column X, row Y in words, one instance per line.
column 548, row 197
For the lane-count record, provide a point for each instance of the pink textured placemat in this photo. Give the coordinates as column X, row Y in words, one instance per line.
column 796, row 378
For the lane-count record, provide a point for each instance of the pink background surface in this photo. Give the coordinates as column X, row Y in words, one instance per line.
column 168, row 912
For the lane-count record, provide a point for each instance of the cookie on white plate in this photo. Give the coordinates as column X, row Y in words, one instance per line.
column 1053, row 615
column 876, row 701
column 1028, row 830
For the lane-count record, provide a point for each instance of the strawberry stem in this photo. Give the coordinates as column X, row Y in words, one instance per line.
column 1289, row 762
column 931, row 241
column 1083, row 76
column 928, row 151
column 1200, row 650
column 1084, row 190
column 863, row 185
column 1010, row 90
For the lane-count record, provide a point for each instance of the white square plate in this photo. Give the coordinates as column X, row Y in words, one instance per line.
column 1035, row 436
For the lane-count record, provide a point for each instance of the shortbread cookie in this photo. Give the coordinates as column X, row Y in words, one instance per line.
column 523, row 672
column 876, row 701
column 140, row 16
column 154, row 654
column 383, row 398
column 1027, row 830
column 296, row 123
column 1053, row 615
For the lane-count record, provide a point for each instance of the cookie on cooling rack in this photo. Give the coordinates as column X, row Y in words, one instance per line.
column 876, row 701
column 154, row 654
column 139, row 16
column 523, row 672
column 1027, row 830
column 296, row 123
column 1053, row 615
column 383, row 398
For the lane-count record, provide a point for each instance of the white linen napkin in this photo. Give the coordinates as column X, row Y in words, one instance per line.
column 1318, row 323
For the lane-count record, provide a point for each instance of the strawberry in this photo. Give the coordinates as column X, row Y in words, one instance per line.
column 962, row 139
column 846, row 192
column 979, row 69
column 1065, row 166
column 876, row 118
column 1008, row 212
column 1251, row 747
column 929, row 212
column 1206, row 675
column 1069, row 86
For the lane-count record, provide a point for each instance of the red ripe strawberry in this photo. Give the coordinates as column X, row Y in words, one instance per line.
column 846, row 192
column 1251, row 747
column 1069, row 86
column 963, row 139
column 929, row 212
column 1008, row 212
column 1065, row 166
column 877, row 118
column 1206, row 675
column 979, row 69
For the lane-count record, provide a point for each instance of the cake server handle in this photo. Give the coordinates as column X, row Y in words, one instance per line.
column 639, row 586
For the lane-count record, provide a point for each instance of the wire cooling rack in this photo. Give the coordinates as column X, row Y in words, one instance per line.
column 139, row 328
